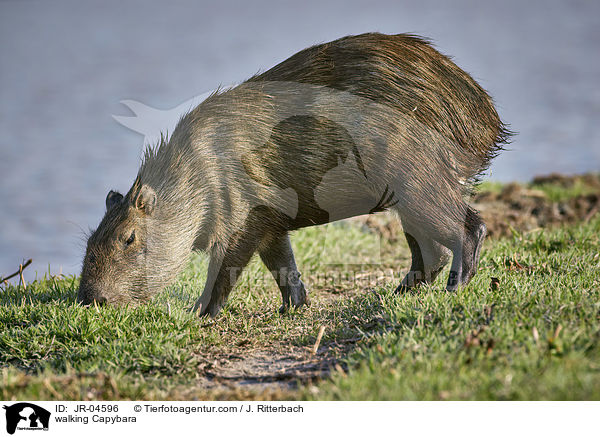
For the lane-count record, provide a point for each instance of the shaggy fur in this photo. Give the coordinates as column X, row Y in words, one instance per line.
column 358, row 125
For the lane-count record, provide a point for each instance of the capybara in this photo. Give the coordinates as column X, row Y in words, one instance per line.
column 358, row 125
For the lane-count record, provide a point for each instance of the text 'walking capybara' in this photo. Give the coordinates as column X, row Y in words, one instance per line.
column 354, row 126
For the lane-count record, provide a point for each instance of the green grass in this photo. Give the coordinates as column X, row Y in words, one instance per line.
column 536, row 336
column 491, row 186
column 557, row 193
column 50, row 348
column 478, row 343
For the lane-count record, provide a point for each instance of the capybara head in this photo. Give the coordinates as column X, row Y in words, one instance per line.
column 115, row 267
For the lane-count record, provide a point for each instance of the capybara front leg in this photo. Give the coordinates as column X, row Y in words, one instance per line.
column 277, row 254
column 475, row 232
column 223, row 272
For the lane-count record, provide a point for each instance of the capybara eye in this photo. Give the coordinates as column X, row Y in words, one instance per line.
column 131, row 238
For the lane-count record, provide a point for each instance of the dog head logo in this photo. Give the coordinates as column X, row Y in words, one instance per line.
column 26, row 416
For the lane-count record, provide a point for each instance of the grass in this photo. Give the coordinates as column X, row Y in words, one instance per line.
column 531, row 333
column 557, row 193
column 533, row 336
column 50, row 348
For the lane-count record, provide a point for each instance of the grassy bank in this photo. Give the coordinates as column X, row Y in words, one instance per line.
column 531, row 333
column 527, row 327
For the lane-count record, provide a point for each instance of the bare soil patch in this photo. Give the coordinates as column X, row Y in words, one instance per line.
column 275, row 371
column 518, row 207
column 524, row 209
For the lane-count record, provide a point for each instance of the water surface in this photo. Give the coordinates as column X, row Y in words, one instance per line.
column 66, row 65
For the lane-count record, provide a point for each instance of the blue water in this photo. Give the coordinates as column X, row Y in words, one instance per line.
column 66, row 65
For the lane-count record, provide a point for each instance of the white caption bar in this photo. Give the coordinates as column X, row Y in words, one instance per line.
column 23, row 418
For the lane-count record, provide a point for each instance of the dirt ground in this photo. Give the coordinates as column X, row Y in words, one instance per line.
column 275, row 372
column 525, row 209
column 271, row 373
column 519, row 207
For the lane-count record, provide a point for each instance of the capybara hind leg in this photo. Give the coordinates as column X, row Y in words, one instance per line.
column 277, row 254
column 428, row 259
column 466, row 254
column 435, row 257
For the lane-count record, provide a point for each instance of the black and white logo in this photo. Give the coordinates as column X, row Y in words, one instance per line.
column 26, row 416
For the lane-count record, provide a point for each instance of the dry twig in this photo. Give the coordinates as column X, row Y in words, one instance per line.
column 18, row 272
column 319, row 337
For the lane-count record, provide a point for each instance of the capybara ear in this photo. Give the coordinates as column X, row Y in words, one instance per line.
column 112, row 198
column 145, row 200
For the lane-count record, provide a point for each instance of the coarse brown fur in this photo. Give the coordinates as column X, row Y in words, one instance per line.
column 406, row 73
column 358, row 125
